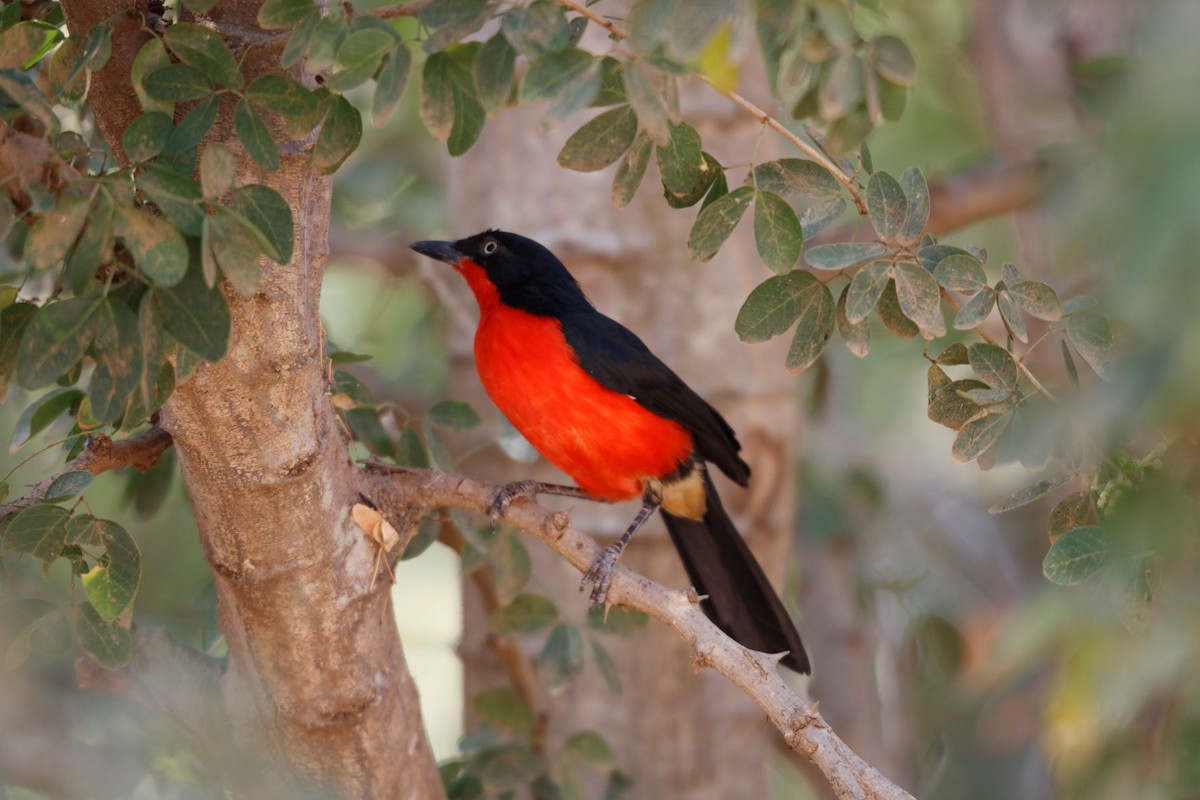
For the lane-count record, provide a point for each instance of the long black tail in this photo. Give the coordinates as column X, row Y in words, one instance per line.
column 740, row 600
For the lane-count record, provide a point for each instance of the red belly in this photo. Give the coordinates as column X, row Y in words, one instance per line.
column 603, row 439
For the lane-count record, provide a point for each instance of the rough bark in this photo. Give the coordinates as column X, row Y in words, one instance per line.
column 316, row 684
column 679, row 733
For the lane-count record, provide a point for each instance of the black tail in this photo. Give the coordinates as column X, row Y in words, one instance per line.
column 740, row 600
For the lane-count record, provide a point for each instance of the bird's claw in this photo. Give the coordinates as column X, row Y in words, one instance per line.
column 504, row 497
column 600, row 575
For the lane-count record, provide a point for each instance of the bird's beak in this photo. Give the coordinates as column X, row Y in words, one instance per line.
column 442, row 251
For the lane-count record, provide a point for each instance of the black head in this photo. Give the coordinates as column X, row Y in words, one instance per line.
column 526, row 274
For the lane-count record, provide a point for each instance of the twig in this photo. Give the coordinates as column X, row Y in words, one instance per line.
column 803, row 728
column 397, row 11
column 100, row 454
column 762, row 116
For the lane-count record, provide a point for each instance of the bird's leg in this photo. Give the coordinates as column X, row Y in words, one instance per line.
column 509, row 492
column 601, row 572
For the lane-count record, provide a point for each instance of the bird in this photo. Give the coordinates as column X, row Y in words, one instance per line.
column 592, row 398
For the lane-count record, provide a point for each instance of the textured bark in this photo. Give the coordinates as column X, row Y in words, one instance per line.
column 316, row 685
column 679, row 733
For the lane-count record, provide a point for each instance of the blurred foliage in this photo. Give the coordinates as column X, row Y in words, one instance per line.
column 112, row 303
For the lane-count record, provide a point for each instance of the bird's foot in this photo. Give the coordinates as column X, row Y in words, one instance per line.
column 505, row 495
column 600, row 575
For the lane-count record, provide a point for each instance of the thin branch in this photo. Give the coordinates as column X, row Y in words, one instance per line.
column 1037, row 385
column 762, row 116
column 100, row 454
column 398, row 11
column 756, row 674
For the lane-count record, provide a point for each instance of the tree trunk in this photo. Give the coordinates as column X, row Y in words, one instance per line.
column 678, row 733
column 316, row 683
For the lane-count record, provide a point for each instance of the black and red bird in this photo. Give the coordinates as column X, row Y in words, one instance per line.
column 591, row 397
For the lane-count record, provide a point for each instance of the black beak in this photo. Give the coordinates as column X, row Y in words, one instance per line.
column 442, row 251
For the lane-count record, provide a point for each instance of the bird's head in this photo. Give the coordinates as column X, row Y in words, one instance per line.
column 508, row 268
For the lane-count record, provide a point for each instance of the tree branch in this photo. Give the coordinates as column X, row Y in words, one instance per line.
column 100, row 454
column 755, row 673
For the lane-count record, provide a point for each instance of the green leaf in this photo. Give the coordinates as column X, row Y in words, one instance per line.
column 204, row 49
column 13, row 321
column 775, row 305
column 1075, row 556
column 891, row 316
column 887, row 205
column 21, row 89
column 642, row 87
column 612, row 89
column 111, row 589
column 195, row 315
column 1012, row 317
column 856, row 335
column 916, row 190
column 54, row 341
column 276, row 15
column 510, row 565
column 340, row 135
column 271, row 216
column 160, row 252
column 541, row 27
column 680, row 160
column 891, row 58
column 820, row 216
column 711, row 172
column 600, row 141
column 367, row 427
column 117, row 349
column 504, row 710
column 109, row 644
column 280, row 94
column 359, row 57
column 1036, row 299
column 24, row 44
column 932, row 254
column 865, row 290
column 453, row 20
column 510, row 767
column 1069, row 363
column 52, row 235
column 527, row 613
column 994, row 365
column 556, row 72
column 40, row 531
column 453, row 415
column 494, row 72
column 972, row 315
column 1074, row 511
column 948, row 403
column 192, row 128
column 813, row 330
column 41, row 413
column 794, row 178
column 920, row 299
column 234, row 249
column 255, row 136
column 177, row 197
column 590, row 748
column 961, row 272
column 777, row 231
column 177, row 83
column 146, row 135
column 152, row 57
column 68, row 485
column 715, row 223
column 841, row 87
column 561, row 658
column 218, row 170
column 954, row 354
column 978, row 434
column 389, row 84
column 1088, row 331
column 1028, row 494
column 1077, row 303
column 622, row 622
column 427, row 533
column 844, row 255
column 631, row 170
column 607, row 666
column 469, row 118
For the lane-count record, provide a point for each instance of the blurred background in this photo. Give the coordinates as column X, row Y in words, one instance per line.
column 942, row 654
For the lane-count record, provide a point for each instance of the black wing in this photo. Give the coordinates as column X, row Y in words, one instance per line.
column 620, row 361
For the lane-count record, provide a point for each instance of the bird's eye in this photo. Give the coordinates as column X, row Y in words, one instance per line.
column 490, row 247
